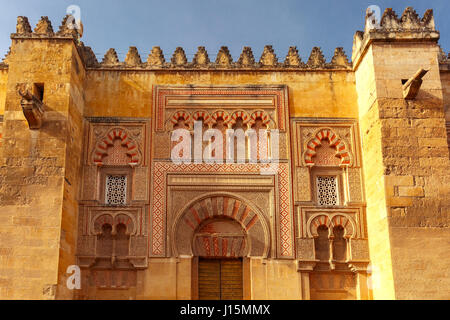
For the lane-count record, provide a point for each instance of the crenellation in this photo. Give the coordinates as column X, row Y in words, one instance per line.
column 23, row 26
column 179, row 58
column 223, row 58
column 246, row 58
column 316, row 58
column 340, row 58
column 110, row 58
column 156, row 58
column 201, row 58
column 268, row 57
column 133, row 59
column 44, row 27
column 293, row 59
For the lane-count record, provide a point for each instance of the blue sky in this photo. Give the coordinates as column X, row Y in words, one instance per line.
column 214, row 23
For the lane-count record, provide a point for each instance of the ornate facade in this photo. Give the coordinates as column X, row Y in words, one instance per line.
column 356, row 207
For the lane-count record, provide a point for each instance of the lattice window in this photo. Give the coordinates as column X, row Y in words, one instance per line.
column 327, row 190
column 116, row 190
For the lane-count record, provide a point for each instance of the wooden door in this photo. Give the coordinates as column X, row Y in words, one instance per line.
column 220, row 279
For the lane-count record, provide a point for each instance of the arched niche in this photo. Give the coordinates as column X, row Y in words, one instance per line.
column 219, row 220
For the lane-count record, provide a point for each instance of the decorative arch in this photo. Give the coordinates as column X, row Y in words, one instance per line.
column 342, row 150
column 113, row 219
column 239, row 114
column 259, row 114
column 132, row 150
column 202, row 223
column 180, row 114
column 331, row 221
column 221, row 114
column 201, row 114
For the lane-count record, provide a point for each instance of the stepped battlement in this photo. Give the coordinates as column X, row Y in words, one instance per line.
column 389, row 26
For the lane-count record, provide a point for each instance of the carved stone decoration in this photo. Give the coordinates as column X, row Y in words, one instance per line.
column 133, row 58
column 239, row 114
column 316, row 59
column 113, row 240
column 201, row 58
column 268, row 57
column 221, row 114
column 292, row 58
column 331, row 220
column 340, row 58
column 125, row 140
column 44, row 27
column 89, row 57
column 23, row 26
column 334, row 140
column 409, row 20
column 110, row 58
column 179, row 57
column 259, row 114
column 223, row 58
column 156, row 57
column 6, row 58
column 69, row 27
column 33, row 109
column 442, row 56
column 220, row 226
column 246, row 58
column 389, row 20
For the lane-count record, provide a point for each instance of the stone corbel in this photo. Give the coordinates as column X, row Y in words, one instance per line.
column 306, row 266
column 358, row 266
column 33, row 109
column 412, row 86
column 139, row 262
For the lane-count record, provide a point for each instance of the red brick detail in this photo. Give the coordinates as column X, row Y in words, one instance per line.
column 342, row 150
column 101, row 148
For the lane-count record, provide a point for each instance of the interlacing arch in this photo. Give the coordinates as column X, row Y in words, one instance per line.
column 342, row 150
column 132, row 150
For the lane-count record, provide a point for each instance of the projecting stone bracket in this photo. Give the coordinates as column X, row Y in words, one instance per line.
column 412, row 86
column 33, row 109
